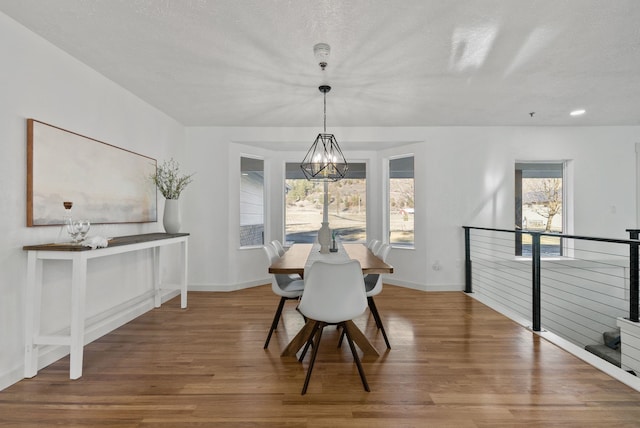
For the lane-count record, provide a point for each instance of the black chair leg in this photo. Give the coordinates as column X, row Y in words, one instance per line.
column 319, row 327
column 376, row 316
column 357, row 359
column 276, row 319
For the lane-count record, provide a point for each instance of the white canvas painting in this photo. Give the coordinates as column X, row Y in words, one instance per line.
column 106, row 184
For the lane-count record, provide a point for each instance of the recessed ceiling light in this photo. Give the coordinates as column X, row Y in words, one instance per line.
column 579, row 112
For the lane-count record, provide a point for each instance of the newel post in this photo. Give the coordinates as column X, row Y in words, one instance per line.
column 535, row 280
column 634, row 281
column 468, row 288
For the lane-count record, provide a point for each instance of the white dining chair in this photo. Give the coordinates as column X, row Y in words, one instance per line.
column 282, row 285
column 373, row 245
column 333, row 294
column 278, row 246
column 373, row 287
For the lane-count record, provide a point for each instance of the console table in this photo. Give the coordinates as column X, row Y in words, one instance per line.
column 78, row 255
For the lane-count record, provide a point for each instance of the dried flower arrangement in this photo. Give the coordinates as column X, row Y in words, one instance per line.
column 169, row 181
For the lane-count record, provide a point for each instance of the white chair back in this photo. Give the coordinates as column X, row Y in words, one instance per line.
column 373, row 282
column 373, row 287
column 270, row 251
column 282, row 284
column 278, row 246
column 383, row 252
column 333, row 292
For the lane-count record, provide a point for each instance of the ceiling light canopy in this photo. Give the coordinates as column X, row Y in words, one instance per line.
column 578, row 112
column 322, row 51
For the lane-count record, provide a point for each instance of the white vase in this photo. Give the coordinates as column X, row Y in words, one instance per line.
column 324, row 238
column 171, row 217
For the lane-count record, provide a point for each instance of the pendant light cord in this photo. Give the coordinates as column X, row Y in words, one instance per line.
column 325, row 112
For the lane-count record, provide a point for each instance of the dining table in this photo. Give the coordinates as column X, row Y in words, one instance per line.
column 299, row 256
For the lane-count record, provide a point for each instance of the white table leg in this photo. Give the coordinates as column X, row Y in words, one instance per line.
column 33, row 299
column 157, row 278
column 183, row 276
column 78, row 294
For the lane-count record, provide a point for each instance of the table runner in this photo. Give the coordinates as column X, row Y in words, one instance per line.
column 340, row 256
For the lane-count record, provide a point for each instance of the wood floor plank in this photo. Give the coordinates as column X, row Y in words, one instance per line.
column 454, row 363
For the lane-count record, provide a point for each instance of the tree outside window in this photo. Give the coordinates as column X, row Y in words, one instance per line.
column 347, row 205
column 543, row 197
column 401, row 202
column 539, row 199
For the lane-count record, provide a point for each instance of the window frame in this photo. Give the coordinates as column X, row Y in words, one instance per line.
column 387, row 210
column 566, row 245
column 264, row 200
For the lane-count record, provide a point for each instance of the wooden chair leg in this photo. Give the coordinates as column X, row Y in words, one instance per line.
column 357, row 360
column 320, row 327
column 276, row 319
column 341, row 338
column 309, row 341
column 376, row 316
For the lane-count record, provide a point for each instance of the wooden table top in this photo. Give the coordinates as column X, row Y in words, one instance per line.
column 113, row 242
column 293, row 261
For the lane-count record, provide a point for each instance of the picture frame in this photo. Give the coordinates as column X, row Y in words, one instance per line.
column 106, row 184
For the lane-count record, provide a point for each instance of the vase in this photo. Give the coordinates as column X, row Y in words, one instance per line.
column 171, row 217
column 324, row 238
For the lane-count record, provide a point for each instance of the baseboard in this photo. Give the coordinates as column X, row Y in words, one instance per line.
column 512, row 315
column 421, row 287
column 387, row 280
column 101, row 324
column 95, row 327
column 597, row 362
column 14, row 375
column 229, row 287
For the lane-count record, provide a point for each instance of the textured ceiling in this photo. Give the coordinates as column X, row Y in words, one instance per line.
column 393, row 63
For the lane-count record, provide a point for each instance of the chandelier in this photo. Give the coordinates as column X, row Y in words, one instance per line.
column 324, row 161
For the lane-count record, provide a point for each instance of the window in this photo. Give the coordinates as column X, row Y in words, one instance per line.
column 251, row 202
column 347, row 205
column 539, row 195
column 401, row 202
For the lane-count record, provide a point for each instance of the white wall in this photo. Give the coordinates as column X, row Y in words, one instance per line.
column 39, row 81
column 464, row 176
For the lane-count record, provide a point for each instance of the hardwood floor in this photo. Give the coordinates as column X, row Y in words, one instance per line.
column 453, row 363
